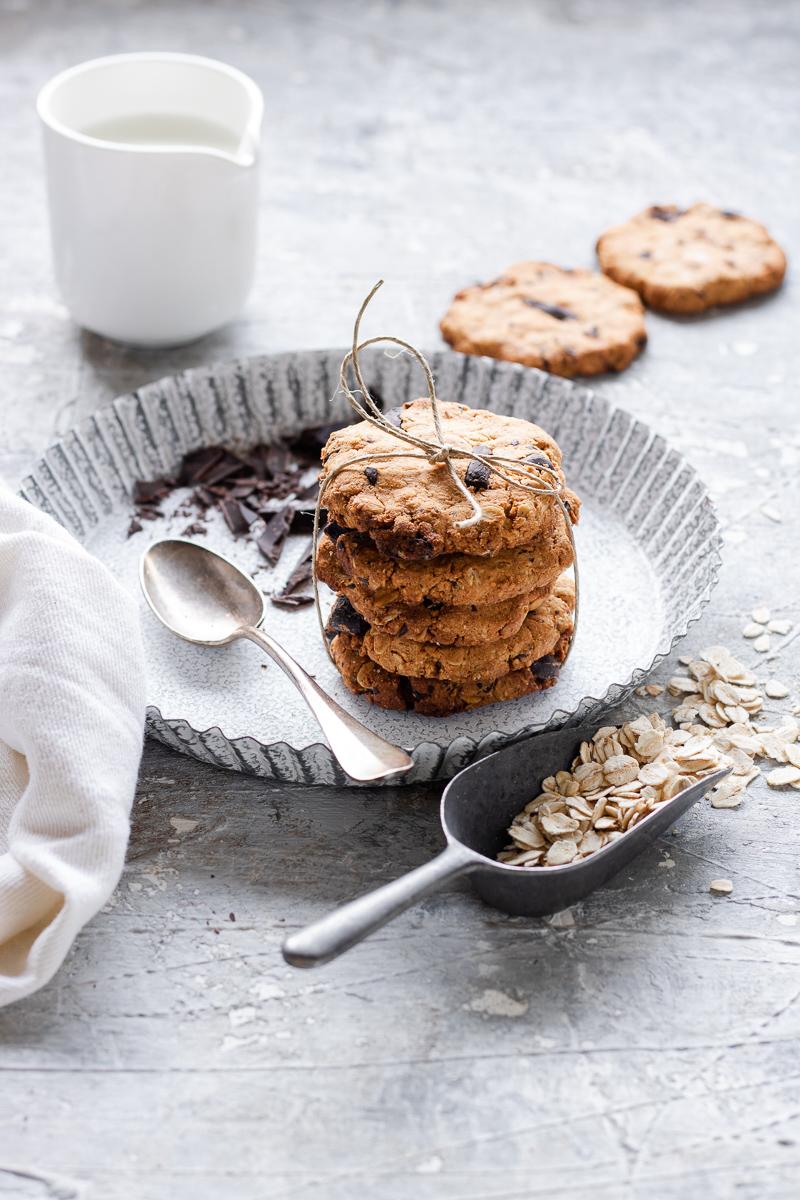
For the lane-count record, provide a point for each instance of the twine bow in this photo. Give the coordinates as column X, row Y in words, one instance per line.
column 525, row 476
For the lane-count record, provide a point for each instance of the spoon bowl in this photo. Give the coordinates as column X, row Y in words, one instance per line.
column 205, row 599
column 198, row 594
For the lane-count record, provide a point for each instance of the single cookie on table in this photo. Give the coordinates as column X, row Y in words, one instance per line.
column 688, row 260
column 467, row 625
column 568, row 322
column 410, row 506
column 537, row 637
column 453, row 579
column 437, row 697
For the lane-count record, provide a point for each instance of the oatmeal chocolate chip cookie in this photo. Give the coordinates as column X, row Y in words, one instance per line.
column 567, row 322
column 467, row 625
column 410, row 506
column 453, row 579
column 688, row 260
column 437, row 697
column 538, row 636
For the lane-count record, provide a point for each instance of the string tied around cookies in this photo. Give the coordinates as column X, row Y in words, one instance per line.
column 537, row 478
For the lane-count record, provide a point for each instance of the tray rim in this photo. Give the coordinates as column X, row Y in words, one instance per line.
column 173, row 731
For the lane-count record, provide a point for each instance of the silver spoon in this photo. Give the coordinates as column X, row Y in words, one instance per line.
column 205, row 599
column 477, row 807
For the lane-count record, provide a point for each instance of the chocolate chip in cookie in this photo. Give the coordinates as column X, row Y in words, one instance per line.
column 477, row 476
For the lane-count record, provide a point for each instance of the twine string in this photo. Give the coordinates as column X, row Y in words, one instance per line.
column 525, row 476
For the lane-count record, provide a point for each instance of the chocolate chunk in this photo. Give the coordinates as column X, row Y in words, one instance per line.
column 233, row 511
column 334, row 531
column 203, row 498
column 134, row 527
column 196, row 529
column 270, row 540
column 394, row 417
column 537, row 459
column 406, row 691
column 658, row 213
column 295, row 601
column 228, row 465
column 546, row 668
column 195, row 465
column 730, row 214
column 432, row 605
column 288, row 597
column 371, row 474
column 641, row 340
column 145, row 491
column 552, row 310
column 345, row 619
column 477, row 476
column 646, row 254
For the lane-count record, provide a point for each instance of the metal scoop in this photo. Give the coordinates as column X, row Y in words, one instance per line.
column 205, row 599
column 477, row 808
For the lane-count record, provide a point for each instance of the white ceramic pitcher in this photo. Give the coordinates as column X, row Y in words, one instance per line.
column 152, row 179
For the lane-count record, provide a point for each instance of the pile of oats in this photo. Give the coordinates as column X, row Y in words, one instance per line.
column 718, row 699
column 626, row 771
column 617, row 778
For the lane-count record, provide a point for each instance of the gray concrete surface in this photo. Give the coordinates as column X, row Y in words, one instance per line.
column 646, row 1046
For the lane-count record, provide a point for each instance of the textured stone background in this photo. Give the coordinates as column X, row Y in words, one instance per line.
column 646, row 1046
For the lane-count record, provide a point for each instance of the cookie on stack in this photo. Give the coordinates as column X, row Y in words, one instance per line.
column 431, row 615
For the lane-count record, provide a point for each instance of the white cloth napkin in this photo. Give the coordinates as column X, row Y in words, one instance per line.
column 71, row 721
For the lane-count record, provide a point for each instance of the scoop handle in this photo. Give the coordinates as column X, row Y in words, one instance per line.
column 329, row 937
column 364, row 755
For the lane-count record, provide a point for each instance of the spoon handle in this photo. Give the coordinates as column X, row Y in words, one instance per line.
column 329, row 937
column 362, row 754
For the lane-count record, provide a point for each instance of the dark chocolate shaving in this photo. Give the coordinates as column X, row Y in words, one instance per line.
column 276, row 528
column 234, row 513
column 150, row 491
column 196, row 529
column 244, row 486
column 288, row 596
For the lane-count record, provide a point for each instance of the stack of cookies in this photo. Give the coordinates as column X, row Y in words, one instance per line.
column 431, row 615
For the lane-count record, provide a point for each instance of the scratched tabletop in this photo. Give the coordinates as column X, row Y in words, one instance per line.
column 645, row 1043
